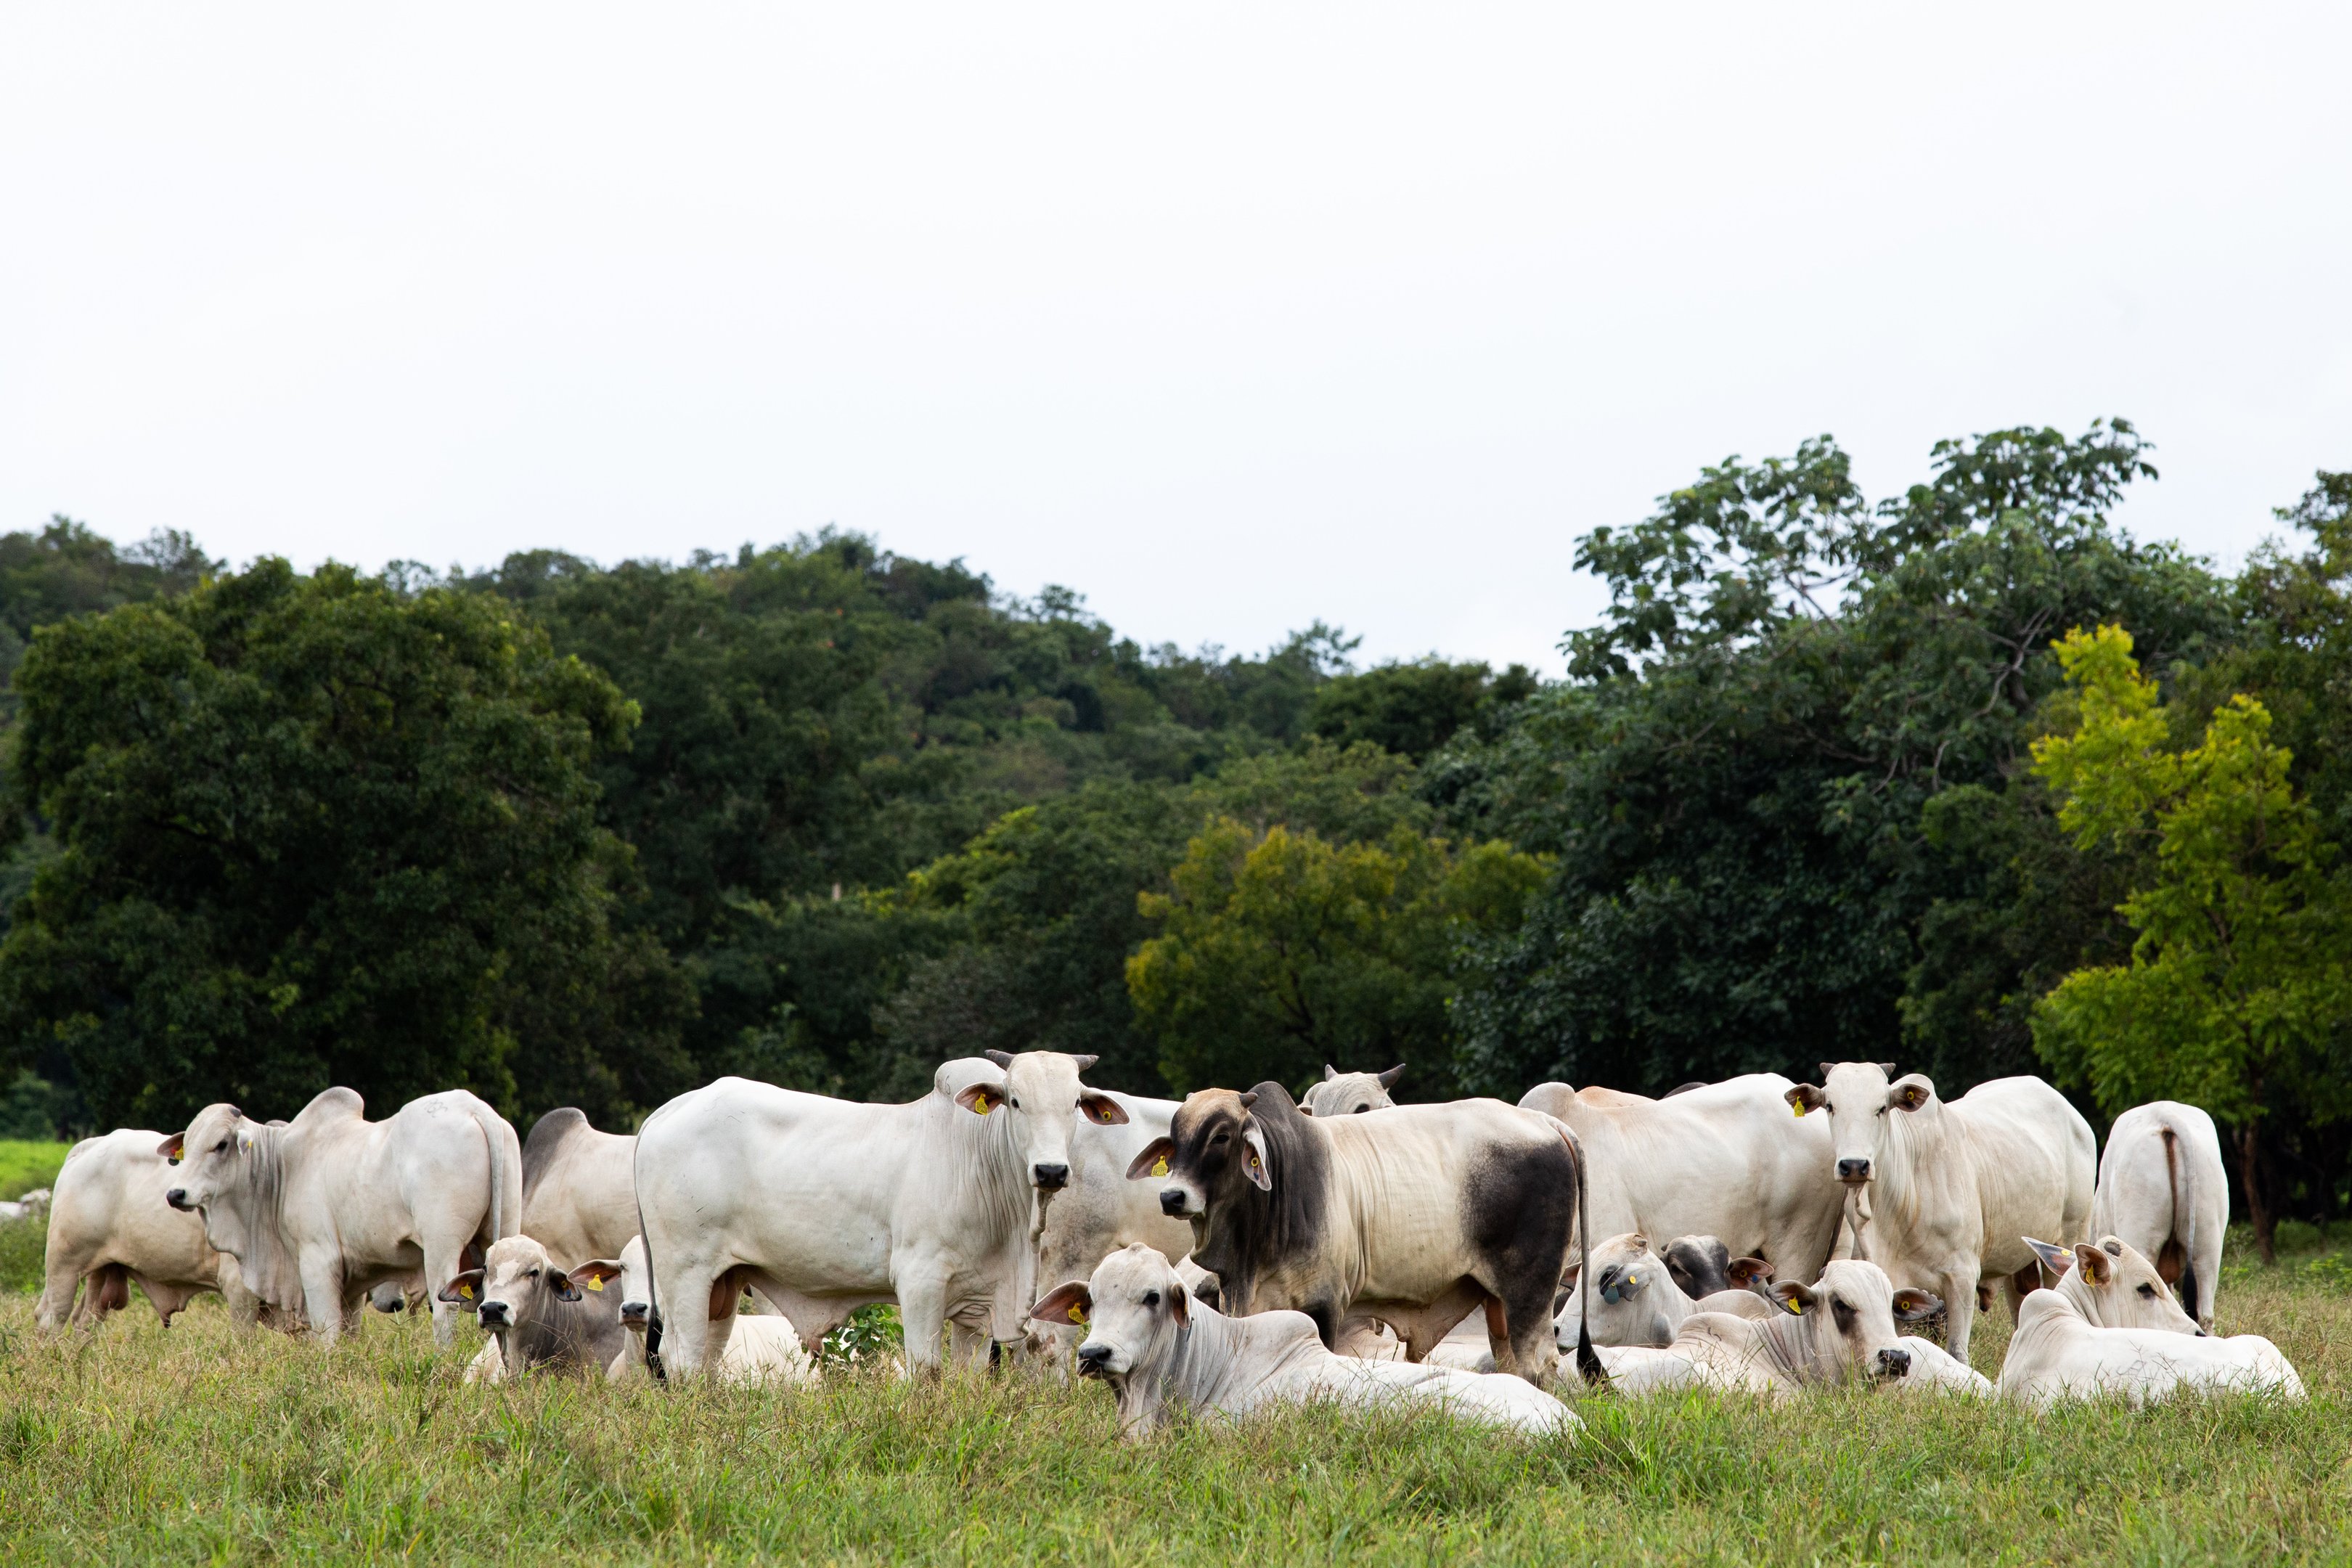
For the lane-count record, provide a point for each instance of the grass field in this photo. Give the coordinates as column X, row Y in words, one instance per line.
column 23, row 1166
column 132, row 1444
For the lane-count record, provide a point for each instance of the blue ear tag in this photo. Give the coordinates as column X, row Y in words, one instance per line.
column 1609, row 1294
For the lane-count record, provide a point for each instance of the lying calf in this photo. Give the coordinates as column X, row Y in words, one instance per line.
column 1157, row 1348
column 1838, row 1330
column 2111, row 1326
column 32, row 1205
column 534, row 1313
column 1638, row 1299
column 761, row 1352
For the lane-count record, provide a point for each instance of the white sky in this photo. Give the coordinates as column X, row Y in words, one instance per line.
column 1227, row 316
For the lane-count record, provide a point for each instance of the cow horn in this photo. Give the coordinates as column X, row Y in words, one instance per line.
column 1002, row 1058
column 1249, row 1097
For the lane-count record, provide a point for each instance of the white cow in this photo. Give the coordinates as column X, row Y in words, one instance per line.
column 579, row 1189
column 2111, row 1327
column 824, row 1205
column 1837, row 1330
column 27, row 1205
column 1954, row 1187
column 1350, row 1093
column 319, row 1212
column 762, row 1352
column 111, row 1229
column 536, row 1315
column 2163, row 1192
column 1161, row 1351
column 1717, row 1160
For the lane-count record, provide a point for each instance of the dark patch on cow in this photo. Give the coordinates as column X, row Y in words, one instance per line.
column 1246, row 1231
column 546, row 1141
column 1518, row 1205
column 1698, row 1265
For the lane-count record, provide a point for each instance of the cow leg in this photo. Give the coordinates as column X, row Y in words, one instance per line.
column 922, row 1313
column 1959, row 1287
column 682, row 1290
column 322, row 1294
column 60, row 1286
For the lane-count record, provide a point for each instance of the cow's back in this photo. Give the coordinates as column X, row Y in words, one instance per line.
column 2035, row 1166
column 107, row 1206
column 579, row 1188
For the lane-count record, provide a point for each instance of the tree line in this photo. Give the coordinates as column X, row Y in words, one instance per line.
column 1965, row 776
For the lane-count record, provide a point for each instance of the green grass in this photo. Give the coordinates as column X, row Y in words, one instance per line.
column 132, row 1444
column 25, row 1165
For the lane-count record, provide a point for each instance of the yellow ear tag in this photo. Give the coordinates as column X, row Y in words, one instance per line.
column 1799, row 1108
column 597, row 1283
column 467, row 1291
column 1159, row 1166
column 980, row 1104
column 1795, row 1306
column 1077, row 1313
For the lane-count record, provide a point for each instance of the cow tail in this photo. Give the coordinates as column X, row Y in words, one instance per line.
column 2180, row 1228
column 1588, row 1360
column 492, row 1124
column 652, row 1290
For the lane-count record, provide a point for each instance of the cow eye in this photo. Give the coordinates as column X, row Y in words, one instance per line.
column 1013, row 1102
column 220, row 1146
column 2148, row 1291
column 1361, row 1108
column 1151, row 1298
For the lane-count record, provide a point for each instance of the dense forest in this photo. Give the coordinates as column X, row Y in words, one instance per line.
column 1966, row 777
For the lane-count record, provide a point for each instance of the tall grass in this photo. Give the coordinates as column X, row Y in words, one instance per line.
column 134, row 1445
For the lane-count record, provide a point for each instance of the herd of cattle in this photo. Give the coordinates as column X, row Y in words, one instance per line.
column 1218, row 1255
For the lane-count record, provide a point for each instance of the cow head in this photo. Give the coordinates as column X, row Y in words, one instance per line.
column 1214, row 1146
column 1698, row 1265
column 2114, row 1286
column 1851, row 1315
column 1134, row 1310
column 1628, row 1308
column 1037, row 1092
column 624, row 1278
column 219, row 1173
column 1859, row 1098
column 516, row 1284
column 1350, row 1093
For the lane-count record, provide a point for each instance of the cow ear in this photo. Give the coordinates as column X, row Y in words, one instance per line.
column 1886, row 1068
column 1153, row 1160
column 1794, row 1299
column 1103, row 1110
column 1070, row 1303
column 1804, row 1097
column 1915, row 1306
column 2055, row 1260
column 1081, row 1062
column 1910, row 1091
column 2113, row 1246
column 1745, row 1272
column 980, row 1098
column 1181, row 1303
column 464, row 1290
column 170, row 1147
column 561, row 1283
column 1826, row 1069
column 2097, row 1265
column 1002, row 1058
column 1254, row 1161
column 593, row 1274
column 1388, row 1078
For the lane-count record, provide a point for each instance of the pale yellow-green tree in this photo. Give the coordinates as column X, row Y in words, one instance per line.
column 1280, row 951
column 2237, row 982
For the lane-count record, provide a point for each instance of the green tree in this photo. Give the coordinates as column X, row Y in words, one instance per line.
column 66, row 570
column 1411, row 709
column 1280, row 951
column 2237, row 984
column 313, row 830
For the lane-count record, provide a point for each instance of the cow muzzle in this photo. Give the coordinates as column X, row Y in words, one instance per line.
column 1094, row 1360
column 1175, row 1202
column 178, row 1198
column 496, row 1315
column 1895, row 1361
column 634, row 1314
column 1854, row 1172
column 1050, row 1178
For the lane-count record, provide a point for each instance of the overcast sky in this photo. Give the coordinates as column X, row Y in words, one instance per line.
column 1227, row 316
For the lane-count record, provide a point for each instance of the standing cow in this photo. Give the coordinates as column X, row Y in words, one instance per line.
column 2164, row 1191
column 1956, row 1187
column 321, row 1211
column 1418, row 1216
column 1714, row 1159
column 824, row 1205
column 579, row 1188
column 1100, row 1211
column 111, row 1229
